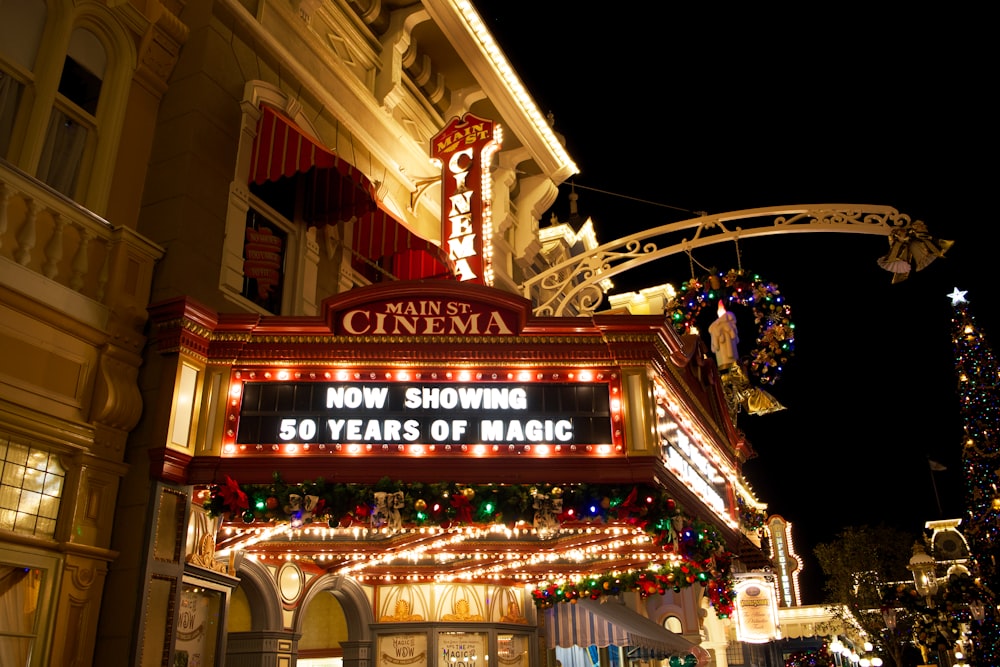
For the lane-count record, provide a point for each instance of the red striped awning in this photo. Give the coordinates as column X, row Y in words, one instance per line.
column 335, row 189
column 336, row 192
column 380, row 237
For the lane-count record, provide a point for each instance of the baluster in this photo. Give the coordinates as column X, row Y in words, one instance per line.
column 81, row 260
column 102, row 278
column 26, row 235
column 54, row 248
column 4, row 199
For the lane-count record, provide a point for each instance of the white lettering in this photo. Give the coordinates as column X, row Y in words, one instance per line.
column 532, row 430
column 468, row 398
column 353, row 397
column 373, row 430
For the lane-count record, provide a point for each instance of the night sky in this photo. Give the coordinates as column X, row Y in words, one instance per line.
column 669, row 111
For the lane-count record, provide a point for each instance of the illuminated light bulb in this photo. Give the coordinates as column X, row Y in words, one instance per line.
column 586, row 376
column 479, row 450
column 542, row 450
column 354, row 449
column 283, row 375
column 604, row 450
column 229, row 448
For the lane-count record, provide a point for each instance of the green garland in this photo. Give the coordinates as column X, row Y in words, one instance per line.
column 775, row 342
column 703, row 556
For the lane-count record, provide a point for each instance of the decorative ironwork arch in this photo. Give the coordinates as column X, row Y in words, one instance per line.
column 577, row 285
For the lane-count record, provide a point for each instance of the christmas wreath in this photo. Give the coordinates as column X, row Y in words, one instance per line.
column 775, row 341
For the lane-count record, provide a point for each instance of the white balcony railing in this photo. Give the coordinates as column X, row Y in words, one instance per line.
column 45, row 233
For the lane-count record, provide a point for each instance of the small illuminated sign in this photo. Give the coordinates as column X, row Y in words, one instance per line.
column 492, row 413
column 756, row 612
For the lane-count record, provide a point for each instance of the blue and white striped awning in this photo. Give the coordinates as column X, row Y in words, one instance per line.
column 611, row 623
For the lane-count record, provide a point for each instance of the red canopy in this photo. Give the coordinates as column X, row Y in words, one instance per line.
column 337, row 192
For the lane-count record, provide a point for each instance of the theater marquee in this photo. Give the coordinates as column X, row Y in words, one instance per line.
column 542, row 413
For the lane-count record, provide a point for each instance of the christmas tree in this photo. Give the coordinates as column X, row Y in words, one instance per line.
column 979, row 400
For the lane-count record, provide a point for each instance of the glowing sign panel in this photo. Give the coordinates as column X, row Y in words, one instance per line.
column 464, row 148
column 425, row 413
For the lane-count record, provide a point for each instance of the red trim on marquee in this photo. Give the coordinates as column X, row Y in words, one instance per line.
column 336, row 192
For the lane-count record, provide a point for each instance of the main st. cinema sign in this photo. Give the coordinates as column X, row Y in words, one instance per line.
column 339, row 413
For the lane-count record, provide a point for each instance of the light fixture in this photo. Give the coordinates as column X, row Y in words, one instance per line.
column 922, row 567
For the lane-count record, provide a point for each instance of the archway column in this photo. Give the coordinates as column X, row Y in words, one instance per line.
column 262, row 648
column 357, row 654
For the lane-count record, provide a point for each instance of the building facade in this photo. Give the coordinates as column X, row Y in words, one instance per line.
column 208, row 207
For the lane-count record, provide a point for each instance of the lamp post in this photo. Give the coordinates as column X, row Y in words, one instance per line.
column 836, row 648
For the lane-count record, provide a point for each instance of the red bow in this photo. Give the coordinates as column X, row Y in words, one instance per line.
column 629, row 505
column 463, row 510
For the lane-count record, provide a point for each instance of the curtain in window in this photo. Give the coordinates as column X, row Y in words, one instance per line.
column 10, row 95
column 19, row 588
column 62, row 153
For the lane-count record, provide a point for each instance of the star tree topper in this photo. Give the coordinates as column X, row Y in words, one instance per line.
column 958, row 296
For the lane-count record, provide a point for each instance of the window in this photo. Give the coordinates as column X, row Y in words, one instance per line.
column 31, row 485
column 21, row 25
column 673, row 624
column 72, row 125
column 26, row 583
column 19, row 587
column 264, row 252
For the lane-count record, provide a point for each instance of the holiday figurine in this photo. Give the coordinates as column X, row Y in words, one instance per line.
column 725, row 337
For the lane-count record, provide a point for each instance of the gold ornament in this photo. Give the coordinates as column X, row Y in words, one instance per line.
column 420, row 505
column 556, row 491
column 996, row 503
column 469, row 493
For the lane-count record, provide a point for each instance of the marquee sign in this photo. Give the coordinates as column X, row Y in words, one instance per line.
column 692, row 465
column 425, row 413
column 464, row 149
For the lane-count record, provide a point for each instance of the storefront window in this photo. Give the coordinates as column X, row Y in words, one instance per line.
column 19, row 598
column 462, row 649
column 198, row 626
column 512, row 650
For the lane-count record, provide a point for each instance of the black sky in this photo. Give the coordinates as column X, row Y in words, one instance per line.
column 709, row 110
